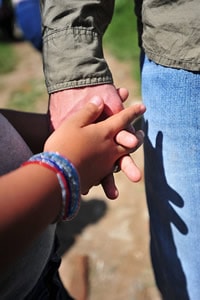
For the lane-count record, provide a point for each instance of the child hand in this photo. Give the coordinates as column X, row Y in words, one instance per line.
column 92, row 147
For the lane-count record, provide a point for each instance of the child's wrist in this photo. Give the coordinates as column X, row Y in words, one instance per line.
column 68, row 180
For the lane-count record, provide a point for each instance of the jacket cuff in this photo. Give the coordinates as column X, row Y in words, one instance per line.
column 73, row 57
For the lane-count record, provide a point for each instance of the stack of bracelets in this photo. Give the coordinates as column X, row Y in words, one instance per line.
column 67, row 177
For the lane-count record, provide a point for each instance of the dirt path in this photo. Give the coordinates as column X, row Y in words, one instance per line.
column 110, row 237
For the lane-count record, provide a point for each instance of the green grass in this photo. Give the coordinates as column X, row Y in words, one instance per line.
column 8, row 58
column 27, row 97
column 121, row 36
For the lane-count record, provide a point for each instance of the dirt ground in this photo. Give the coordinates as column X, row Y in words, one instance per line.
column 108, row 243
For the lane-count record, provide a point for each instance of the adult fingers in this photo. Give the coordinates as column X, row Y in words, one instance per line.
column 123, row 94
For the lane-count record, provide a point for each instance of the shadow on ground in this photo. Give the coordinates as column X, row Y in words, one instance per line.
column 90, row 213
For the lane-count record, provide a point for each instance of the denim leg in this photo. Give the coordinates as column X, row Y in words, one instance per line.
column 172, row 177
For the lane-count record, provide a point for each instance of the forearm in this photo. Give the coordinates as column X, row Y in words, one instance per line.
column 33, row 127
column 72, row 43
column 30, row 199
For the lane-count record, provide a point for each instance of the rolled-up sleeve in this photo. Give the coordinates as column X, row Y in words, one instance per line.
column 72, row 43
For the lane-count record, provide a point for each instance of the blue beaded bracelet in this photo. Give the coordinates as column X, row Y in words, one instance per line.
column 71, row 176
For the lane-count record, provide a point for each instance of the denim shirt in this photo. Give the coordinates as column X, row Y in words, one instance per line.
column 73, row 32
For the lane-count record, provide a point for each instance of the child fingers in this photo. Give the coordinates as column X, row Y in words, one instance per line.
column 130, row 169
column 91, row 111
column 128, row 139
column 140, row 138
column 125, row 117
column 109, row 187
column 125, row 150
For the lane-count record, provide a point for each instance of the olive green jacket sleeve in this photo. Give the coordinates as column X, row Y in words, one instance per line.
column 169, row 32
column 72, row 42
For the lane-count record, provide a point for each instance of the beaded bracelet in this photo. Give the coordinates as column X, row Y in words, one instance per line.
column 68, row 179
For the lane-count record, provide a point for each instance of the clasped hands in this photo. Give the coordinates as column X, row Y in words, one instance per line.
column 116, row 130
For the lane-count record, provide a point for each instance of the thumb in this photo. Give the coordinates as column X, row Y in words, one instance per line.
column 91, row 111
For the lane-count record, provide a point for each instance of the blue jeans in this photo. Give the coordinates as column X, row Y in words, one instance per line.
column 172, row 177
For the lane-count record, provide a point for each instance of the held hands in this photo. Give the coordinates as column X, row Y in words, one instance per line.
column 94, row 148
column 64, row 103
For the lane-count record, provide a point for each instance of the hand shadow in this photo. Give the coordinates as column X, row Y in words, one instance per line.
column 90, row 213
column 167, row 266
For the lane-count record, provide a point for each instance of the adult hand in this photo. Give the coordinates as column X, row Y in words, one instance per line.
column 64, row 103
